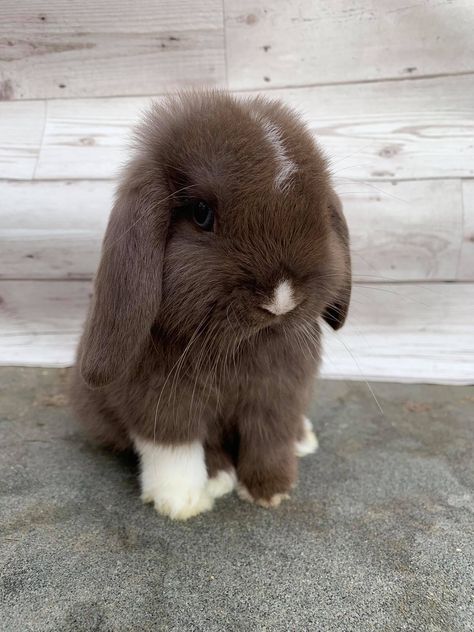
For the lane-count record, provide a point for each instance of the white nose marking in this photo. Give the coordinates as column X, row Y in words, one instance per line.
column 283, row 299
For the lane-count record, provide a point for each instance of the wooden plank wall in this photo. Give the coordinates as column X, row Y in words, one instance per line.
column 386, row 87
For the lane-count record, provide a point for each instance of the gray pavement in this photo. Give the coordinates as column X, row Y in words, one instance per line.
column 377, row 536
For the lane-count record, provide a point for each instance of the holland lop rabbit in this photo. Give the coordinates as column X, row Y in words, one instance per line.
column 225, row 247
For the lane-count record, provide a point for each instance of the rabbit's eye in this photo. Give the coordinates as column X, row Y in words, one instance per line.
column 203, row 215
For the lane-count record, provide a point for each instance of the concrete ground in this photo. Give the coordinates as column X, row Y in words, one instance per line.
column 378, row 534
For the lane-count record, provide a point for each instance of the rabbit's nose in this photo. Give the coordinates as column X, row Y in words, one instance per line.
column 283, row 299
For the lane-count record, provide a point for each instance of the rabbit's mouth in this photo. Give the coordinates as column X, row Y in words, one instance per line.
column 248, row 321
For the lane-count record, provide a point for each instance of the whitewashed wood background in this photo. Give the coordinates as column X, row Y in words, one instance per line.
column 387, row 86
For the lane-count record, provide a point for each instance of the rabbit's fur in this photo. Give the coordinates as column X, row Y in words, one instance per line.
column 201, row 346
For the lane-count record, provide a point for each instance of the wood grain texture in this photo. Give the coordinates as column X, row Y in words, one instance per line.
column 406, row 333
column 88, row 138
column 401, row 153
column 399, row 129
column 40, row 322
column 400, row 231
column 389, row 130
column 65, row 49
column 21, row 131
column 466, row 252
column 403, row 333
column 297, row 42
column 52, row 229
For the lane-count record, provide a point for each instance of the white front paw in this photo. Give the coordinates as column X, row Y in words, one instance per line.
column 174, row 478
column 309, row 441
column 179, row 503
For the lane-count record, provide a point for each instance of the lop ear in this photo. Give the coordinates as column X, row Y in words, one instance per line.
column 335, row 313
column 127, row 290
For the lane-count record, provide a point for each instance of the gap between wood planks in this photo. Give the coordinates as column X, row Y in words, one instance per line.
column 383, row 280
column 354, row 181
column 263, row 88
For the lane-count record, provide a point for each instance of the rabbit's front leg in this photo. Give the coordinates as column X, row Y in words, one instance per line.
column 266, row 467
column 174, row 478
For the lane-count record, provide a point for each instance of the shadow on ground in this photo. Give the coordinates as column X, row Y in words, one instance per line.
column 378, row 534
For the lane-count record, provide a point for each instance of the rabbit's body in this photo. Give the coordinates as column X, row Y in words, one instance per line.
column 203, row 339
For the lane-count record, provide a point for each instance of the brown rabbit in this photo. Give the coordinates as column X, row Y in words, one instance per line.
column 224, row 248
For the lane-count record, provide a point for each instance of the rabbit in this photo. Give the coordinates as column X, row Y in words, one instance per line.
column 225, row 248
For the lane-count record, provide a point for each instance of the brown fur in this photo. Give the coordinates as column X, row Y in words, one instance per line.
column 175, row 347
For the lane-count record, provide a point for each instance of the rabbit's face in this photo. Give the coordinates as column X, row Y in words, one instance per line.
column 252, row 241
column 242, row 265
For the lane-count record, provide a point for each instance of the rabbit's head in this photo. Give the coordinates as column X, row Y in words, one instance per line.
column 225, row 222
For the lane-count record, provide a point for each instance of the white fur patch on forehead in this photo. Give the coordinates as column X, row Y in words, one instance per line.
column 283, row 299
column 286, row 166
